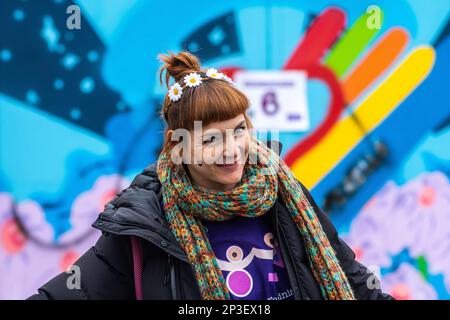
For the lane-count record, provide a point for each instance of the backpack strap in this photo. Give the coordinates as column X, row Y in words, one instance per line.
column 136, row 248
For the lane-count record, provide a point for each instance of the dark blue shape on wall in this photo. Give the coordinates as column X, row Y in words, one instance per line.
column 63, row 77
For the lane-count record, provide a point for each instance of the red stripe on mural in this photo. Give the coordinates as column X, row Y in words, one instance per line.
column 320, row 36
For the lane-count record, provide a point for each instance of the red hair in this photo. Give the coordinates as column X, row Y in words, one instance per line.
column 212, row 101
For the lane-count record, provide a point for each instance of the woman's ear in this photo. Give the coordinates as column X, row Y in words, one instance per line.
column 169, row 141
column 169, row 135
column 172, row 147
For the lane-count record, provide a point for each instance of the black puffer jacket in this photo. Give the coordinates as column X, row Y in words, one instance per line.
column 106, row 270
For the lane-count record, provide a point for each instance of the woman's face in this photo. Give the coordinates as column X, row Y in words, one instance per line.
column 222, row 150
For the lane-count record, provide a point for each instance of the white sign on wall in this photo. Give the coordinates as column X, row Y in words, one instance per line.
column 278, row 98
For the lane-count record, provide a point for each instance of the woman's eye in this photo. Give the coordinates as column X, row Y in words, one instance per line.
column 209, row 140
column 240, row 130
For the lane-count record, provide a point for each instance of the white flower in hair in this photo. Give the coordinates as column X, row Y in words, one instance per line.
column 175, row 92
column 213, row 73
column 228, row 79
column 193, row 79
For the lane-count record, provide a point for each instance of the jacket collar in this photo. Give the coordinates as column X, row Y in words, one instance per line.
column 137, row 211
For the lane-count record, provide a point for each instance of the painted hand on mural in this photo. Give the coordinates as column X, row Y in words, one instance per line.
column 350, row 64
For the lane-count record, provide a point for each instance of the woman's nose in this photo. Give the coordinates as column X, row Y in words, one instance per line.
column 230, row 151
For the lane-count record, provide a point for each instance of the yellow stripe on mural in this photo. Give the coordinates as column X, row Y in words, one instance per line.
column 345, row 134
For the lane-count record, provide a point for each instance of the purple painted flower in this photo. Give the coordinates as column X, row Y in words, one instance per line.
column 89, row 204
column 26, row 265
column 407, row 283
column 413, row 217
column 23, row 264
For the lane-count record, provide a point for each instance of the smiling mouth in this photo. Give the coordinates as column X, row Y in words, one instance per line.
column 229, row 165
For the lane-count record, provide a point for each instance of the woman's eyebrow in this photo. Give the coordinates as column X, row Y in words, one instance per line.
column 208, row 134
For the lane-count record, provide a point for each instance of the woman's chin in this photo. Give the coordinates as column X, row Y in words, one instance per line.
column 230, row 175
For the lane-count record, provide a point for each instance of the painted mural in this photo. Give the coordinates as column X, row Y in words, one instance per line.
column 79, row 119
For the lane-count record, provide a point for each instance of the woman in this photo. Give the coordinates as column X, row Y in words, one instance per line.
column 218, row 216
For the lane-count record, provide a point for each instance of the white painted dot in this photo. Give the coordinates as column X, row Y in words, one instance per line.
column 87, row 85
column 75, row 113
column 225, row 49
column 32, row 97
column 193, row 46
column 5, row 55
column 58, row 84
column 92, row 56
column 70, row 60
column 18, row 15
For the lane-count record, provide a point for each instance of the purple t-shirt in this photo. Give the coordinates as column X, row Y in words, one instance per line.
column 250, row 261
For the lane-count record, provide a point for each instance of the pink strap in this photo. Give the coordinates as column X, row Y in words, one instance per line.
column 137, row 266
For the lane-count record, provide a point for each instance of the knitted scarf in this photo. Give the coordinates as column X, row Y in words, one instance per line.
column 186, row 204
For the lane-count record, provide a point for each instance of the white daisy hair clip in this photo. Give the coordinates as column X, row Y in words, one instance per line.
column 175, row 92
column 194, row 79
column 228, row 79
column 213, row 73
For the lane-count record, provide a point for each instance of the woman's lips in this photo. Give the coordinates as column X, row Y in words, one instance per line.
column 228, row 166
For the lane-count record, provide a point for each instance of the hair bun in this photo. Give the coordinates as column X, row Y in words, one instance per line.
column 177, row 65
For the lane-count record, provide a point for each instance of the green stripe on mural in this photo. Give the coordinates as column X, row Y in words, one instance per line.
column 353, row 42
column 423, row 267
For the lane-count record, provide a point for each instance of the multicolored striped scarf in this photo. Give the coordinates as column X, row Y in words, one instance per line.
column 186, row 204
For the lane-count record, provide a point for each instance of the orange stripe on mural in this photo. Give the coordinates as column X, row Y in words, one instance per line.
column 375, row 63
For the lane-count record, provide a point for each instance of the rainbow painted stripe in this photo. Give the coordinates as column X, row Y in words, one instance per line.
column 316, row 155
